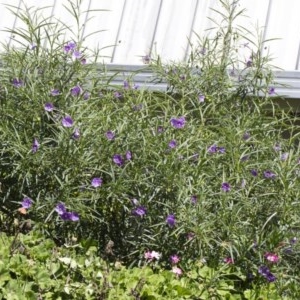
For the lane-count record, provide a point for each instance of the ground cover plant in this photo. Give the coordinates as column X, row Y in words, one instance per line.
column 111, row 192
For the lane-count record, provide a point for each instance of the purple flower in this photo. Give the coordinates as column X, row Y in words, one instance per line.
column 221, row 150
column 135, row 202
column 271, row 91
column 17, row 83
column 212, row 149
column 86, row 96
column 26, row 203
column 96, row 182
column 64, row 214
column 215, row 149
column 284, row 156
column 128, row 155
column 245, row 158
column 32, row 46
column 118, row 160
column 201, row 98
column 194, row 199
column 172, row 144
column 60, row 208
column 73, row 216
column 35, row 146
column 139, row 211
column 246, row 136
column 146, row 59
column 249, row 63
column 83, row 61
column 67, row 121
column 270, row 175
column 254, row 172
column 160, row 129
column 226, row 187
column 48, row 106
column 76, row 90
column 54, row 92
column 126, row 85
column 110, row 135
column 203, row 51
column 70, row 216
column 178, row 123
column 77, row 54
column 117, row 95
column 277, row 147
column 70, row 47
column 265, row 272
column 171, row 221
column 76, row 134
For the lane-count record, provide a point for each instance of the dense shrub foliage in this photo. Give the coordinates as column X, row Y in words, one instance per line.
column 201, row 181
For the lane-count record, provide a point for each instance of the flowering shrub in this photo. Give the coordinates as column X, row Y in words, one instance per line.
column 203, row 173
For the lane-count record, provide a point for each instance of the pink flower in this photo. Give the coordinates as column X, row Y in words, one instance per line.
column 149, row 255
column 272, row 257
column 177, row 271
column 174, row 259
column 228, row 261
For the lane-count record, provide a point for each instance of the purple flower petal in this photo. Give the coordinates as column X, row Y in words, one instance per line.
column 201, row 98
column 26, row 203
column 254, row 172
column 178, row 123
column 270, row 175
column 172, row 144
column 226, row 187
column 76, row 90
column 128, row 155
column 49, row 107
column 73, row 216
column 60, row 208
column 140, row 211
column 67, row 121
column 76, row 134
column 17, row 83
column 271, row 91
column 35, row 146
column 96, row 182
column 110, row 135
column 194, row 199
column 77, row 54
column 86, row 95
column 171, row 220
column 69, row 47
column 118, row 160
column 54, row 92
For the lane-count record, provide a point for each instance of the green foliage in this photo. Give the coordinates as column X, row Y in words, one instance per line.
column 33, row 267
column 208, row 171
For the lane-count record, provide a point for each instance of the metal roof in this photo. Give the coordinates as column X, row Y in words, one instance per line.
column 130, row 29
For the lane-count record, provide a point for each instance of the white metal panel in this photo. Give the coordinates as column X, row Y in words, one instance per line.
column 109, row 22
column 174, row 27
column 29, row 6
column 7, row 20
column 138, row 24
column 284, row 23
column 61, row 15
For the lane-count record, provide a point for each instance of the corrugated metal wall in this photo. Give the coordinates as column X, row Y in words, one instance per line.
column 134, row 28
